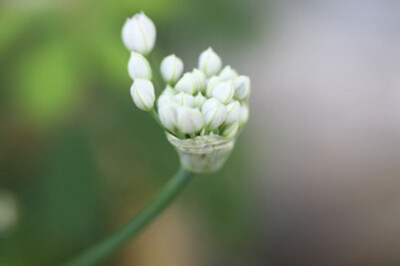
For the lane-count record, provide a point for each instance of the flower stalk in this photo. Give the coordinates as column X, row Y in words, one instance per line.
column 110, row 245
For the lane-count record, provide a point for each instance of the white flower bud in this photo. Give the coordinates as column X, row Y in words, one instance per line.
column 209, row 62
column 233, row 112
column 212, row 82
column 190, row 120
column 185, row 99
column 171, row 69
column 168, row 114
column 199, row 100
column 244, row 114
column 187, row 84
column 138, row 67
column 142, row 92
column 231, row 130
column 242, row 87
column 214, row 113
column 228, row 73
column 223, row 91
column 199, row 78
column 139, row 34
column 166, row 96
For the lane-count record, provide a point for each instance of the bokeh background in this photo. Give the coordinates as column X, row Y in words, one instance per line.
column 314, row 178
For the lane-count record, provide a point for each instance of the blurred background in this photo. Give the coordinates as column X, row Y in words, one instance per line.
column 314, row 178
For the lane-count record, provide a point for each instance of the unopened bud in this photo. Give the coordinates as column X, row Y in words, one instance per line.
column 171, row 69
column 185, row 99
column 138, row 67
column 190, row 120
column 209, row 62
column 231, row 130
column 233, row 112
column 168, row 114
column 214, row 113
column 242, row 87
column 200, row 79
column 212, row 82
column 228, row 73
column 199, row 100
column 187, row 84
column 142, row 92
column 139, row 34
column 223, row 91
column 166, row 96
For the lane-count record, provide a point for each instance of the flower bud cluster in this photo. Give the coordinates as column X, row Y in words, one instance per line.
column 209, row 100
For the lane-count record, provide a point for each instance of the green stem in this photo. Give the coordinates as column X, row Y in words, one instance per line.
column 111, row 244
column 156, row 74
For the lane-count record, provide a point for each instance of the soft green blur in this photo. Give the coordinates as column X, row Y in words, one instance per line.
column 76, row 155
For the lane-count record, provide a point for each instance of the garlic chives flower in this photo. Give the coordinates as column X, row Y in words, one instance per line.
column 187, row 84
column 139, row 34
column 214, row 113
column 190, row 120
column 223, row 91
column 233, row 112
column 139, row 67
column 202, row 111
column 142, row 92
column 209, row 62
column 184, row 99
column 171, row 69
column 169, row 115
column 231, row 130
column 228, row 73
column 241, row 85
column 200, row 79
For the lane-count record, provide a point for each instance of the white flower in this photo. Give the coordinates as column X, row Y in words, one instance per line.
column 138, row 67
column 212, row 82
column 223, row 91
column 209, row 62
column 199, row 100
column 231, row 130
column 228, row 73
column 166, row 96
column 187, row 84
column 139, row 34
column 242, row 87
column 233, row 112
column 199, row 78
column 183, row 98
column 168, row 114
column 190, row 120
column 214, row 113
column 244, row 114
column 142, row 92
column 171, row 69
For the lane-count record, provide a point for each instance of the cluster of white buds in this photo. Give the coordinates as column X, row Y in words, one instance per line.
column 210, row 102
column 205, row 101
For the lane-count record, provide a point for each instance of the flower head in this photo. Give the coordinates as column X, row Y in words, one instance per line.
column 202, row 111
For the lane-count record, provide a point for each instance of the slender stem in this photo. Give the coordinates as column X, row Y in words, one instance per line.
column 111, row 244
column 156, row 74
